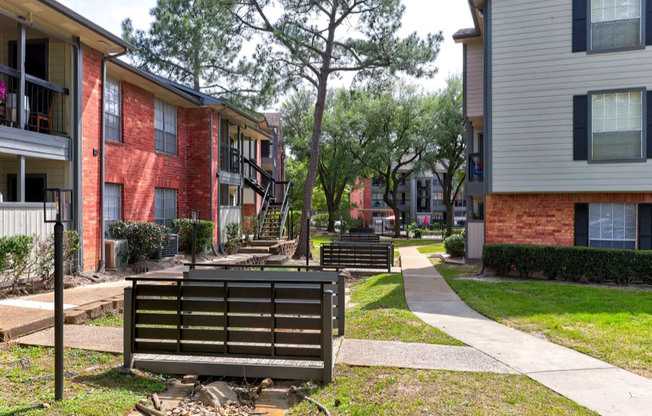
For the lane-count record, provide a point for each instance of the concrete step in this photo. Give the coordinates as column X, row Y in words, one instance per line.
column 277, row 260
column 254, row 250
column 262, row 243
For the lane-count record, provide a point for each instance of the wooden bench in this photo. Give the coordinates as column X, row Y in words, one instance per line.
column 232, row 323
column 358, row 255
column 371, row 238
column 362, row 230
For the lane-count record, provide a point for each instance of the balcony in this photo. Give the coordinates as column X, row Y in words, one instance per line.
column 229, row 159
column 35, row 93
column 475, row 175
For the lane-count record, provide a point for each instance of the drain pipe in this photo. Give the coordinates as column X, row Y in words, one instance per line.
column 213, row 248
column 106, row 57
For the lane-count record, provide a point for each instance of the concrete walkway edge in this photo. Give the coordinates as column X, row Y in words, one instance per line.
column 591, row 383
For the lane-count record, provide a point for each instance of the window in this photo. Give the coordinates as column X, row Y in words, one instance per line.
column 165, row 206
column 112, row 203
column 617, row 125
column 229, row 195
column 112, row 110
column 165, row 127
column 615, row 24
column 612, row 225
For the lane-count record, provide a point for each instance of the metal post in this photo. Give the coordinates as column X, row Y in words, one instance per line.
column 58, row 311
column 194, row 242
column 308, row 242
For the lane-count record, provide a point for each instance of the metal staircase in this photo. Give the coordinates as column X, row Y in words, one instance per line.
column 273, row 214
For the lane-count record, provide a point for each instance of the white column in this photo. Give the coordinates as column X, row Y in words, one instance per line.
column 20, row 179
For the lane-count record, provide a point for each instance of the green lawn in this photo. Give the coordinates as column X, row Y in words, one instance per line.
column 384, row 391
column 614, row 325
column 412, row 242
column 379, row 311
column 432, row 249
column 92, row 384
column 318, row 240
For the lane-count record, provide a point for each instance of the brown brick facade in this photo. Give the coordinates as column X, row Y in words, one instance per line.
column 541, row 219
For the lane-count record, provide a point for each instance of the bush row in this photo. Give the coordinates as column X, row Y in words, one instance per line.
column 28, row 256
column 183, row 227
column 454, row 246
column 574, row 264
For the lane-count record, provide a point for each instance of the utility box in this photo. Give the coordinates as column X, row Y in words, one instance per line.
column 116, row 254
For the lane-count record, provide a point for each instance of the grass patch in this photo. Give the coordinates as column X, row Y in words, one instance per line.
column 93, row 386
column 379, row 312
column 412, row 242
column 318, row 240
column 115, row 321
column 383, row 391
column 432, row 249
column 613, row 325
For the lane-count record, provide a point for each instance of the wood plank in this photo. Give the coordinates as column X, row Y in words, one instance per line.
column 202, row 291
column 202, row 305
column 150, row 318
column 298, row 308
column 250, row 336
column 190, row 334
column 156, row 290
column 298, row 323
column 156, row 333
column 250, row 307
column 155, row 305
column 298, row 352
column 299, row 338
column 249, row 321
column 298, row 293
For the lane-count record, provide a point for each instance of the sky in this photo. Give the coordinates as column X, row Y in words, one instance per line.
column 422, row 16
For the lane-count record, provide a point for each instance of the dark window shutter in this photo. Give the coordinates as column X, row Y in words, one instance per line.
column 580, row 127
column 648, row 132
column 582, row 225
column 580, row 15
column 645, row 227
column 648, row 22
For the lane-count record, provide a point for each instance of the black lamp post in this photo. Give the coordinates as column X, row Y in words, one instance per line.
column 57, row 209
column 195, row 222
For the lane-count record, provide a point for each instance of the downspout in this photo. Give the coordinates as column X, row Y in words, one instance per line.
column 213, row 248
column 100, row 269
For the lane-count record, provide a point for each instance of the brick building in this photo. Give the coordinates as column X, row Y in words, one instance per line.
column 131, row 145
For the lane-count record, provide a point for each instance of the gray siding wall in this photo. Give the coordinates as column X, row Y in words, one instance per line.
column 534, row 78
column 475, row 77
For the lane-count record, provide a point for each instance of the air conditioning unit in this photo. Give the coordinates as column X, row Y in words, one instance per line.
column 116, row 254
column 170, row 245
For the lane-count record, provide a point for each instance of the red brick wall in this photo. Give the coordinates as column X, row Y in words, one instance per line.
column 91, row 110
column 137, row 166
column 361, row 196
column 541, row 219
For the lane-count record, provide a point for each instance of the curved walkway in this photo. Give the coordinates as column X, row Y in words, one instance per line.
column 592, row 383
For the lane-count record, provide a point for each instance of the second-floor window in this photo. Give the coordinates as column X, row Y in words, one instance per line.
column 615, row 24
column 112, row 110
column 165, row 127
column 616, row 126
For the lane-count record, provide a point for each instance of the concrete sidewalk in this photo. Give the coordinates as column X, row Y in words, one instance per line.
column 592, row 383
column 27, row 314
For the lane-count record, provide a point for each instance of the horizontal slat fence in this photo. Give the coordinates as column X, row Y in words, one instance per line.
column 358, row 255
column 360, row 237
column 246, row 315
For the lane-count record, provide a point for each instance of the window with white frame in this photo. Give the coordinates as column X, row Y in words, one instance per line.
column 165, row 127
column 612, row 225
column 112, row 110
column 165, row 206
column 616, row 24
column 617, row 126
column 112, row 203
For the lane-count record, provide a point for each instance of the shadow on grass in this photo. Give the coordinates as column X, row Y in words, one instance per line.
column 20, row 411
column 113, row 379
column 394, row 299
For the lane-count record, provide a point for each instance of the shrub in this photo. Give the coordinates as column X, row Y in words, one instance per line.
column 42, row 257
column 454, row 246
column 233, row 235
column 183, row 227
column 144, row 238
column 320, row 220
column 250, row 228
column 14, row 258
column 575, row 264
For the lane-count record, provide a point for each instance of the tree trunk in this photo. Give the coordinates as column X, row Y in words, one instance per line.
column 331, row 222
column 312, row 168
column 450, row 217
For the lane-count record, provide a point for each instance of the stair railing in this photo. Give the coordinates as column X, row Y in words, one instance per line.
column 263, row 212
column 258, row 169
column 285, row 208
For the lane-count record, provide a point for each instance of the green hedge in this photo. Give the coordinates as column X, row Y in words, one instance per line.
column 183, row 227
column 144, row 238
column 574, row 264
column 454, row 246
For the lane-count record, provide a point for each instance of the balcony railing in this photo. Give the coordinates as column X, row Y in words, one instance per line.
column 476, row 168
column 44, row 105
column 229, row 159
